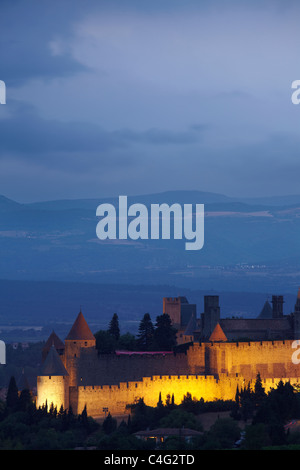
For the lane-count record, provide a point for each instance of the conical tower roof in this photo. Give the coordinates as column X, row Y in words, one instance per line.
column 218, row 334
column 56, row 342
column 53, row 364
column 54, row 339
column 191, row 326
column 80, row 330
column 266, row 311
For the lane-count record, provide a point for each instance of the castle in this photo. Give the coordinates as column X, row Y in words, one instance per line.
column 209, row 361
column 270, row 324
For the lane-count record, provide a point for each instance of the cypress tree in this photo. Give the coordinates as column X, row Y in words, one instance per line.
column 145, row 333
column 25, row 400
column 109, row 425
column 12, row 394
column 165, row 333
column 114, row 328
column 259, row 391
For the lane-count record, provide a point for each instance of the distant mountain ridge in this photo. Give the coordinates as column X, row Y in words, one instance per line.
column 251, row 244
column 180, row 196
column 7, row 204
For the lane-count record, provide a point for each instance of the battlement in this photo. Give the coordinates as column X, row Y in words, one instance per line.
column 116, row 398
column 209, row 369
column 252, row 344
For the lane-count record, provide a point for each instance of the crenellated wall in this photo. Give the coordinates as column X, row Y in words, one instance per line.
column 207, row 370
column 116, row 397
column 269, row 358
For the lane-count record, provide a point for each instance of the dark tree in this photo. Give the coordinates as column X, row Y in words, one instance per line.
column 25, row 400
column 109, row 424
column 12, row 394
column 114, row 328
column 128, row 342
column 259, row 391
column 145, row 333
column 164, row 333
column 247, row 403
column 105, row 342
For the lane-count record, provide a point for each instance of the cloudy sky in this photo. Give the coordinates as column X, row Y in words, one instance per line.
column 108, row 97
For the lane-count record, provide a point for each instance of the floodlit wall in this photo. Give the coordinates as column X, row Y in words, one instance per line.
column 269, row 358
column 115, row 398
column 53, row 390
column 208, row 370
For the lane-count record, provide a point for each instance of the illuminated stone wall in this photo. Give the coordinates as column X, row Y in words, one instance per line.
column 269, row 358
column 207, row 370
column 72, row 353
column 54, row 389
column 116, row 397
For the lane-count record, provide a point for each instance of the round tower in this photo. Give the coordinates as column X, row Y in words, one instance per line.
column 52, row 382
column 79, row 337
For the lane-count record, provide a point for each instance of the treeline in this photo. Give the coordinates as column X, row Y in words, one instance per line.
column 160, row 336
column 169, row 415
column 262, row 415
column 23, row 426
column 268, row 414
column 255, row 420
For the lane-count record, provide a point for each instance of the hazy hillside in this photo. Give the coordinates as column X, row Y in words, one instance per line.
column 52, row 264
column 249, row 246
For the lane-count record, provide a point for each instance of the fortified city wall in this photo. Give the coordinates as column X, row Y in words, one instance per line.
column 226, row 365
column 116, row 397
column 270, row 358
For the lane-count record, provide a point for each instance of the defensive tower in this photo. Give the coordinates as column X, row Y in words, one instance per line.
column 79, row 337
column 52, row 382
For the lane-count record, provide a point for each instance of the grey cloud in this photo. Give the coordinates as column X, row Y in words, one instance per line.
column 27, row 135
column 27, row 30
column 159, row 136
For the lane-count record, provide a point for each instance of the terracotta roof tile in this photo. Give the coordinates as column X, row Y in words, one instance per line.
column 80, row 330
column 218, row 334
column 54, row 340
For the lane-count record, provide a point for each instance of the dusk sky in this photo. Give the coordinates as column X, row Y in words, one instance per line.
column 128, row 97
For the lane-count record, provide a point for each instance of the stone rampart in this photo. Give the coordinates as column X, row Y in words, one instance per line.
column 114, row 398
